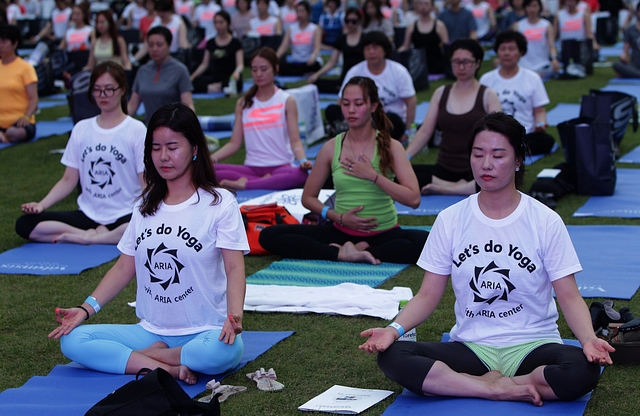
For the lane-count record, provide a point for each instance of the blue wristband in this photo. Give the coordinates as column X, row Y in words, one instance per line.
column 323, row 214
column 397, row 327
column 93, row 303
column 304, row 159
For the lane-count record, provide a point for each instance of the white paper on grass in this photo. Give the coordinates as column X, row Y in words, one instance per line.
column 291, row 199
column 548, row 173
column 345, row 400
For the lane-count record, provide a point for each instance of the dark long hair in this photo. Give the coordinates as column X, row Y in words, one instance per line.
column 270, row 55
column 380, row 120
column 114, row 34
column 117, row 72
column 367, row 18
column 181, row 119
column 510, row 128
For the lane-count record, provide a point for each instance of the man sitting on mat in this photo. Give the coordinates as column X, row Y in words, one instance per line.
column 505, row 254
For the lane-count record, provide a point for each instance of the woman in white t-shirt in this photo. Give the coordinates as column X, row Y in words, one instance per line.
column 185, row 245
column 304, row 38
column 78, row 36
column 541, row 55
column 505, row 254
column 104, row 154
column 269, row 130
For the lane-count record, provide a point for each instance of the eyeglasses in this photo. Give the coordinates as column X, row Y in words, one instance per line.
column 462, row 62
column 107, row 92
column 353, row 21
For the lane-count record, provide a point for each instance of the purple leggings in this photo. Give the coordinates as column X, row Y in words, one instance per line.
column 282, row 177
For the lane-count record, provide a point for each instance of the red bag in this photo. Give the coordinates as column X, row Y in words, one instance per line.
column 258, row 217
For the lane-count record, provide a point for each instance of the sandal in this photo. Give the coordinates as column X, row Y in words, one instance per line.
column 224, row 390
column 265, row 380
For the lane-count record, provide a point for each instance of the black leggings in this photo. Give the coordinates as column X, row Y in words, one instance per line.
column 312, row 242
column 567, row 370
column 77, row 219
column 425, row 174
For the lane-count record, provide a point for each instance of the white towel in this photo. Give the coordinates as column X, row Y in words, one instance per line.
column 344, row 299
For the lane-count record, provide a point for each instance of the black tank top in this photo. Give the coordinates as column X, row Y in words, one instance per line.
column 456, row 129
column 432, row 43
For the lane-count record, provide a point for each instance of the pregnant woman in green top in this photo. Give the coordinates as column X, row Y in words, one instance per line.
column 363, row 225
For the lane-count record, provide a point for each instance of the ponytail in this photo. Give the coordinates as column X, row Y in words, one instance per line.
column 383, row 139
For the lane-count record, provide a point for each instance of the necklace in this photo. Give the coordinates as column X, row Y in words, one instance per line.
column 366, row 146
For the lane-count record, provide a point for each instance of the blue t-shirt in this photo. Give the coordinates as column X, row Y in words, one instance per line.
column 459, row 24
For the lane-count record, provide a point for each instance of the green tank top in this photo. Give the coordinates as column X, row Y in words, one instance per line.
column 352, row 192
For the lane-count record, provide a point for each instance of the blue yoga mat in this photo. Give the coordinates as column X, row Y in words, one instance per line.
column 291, row 272
column 411, row 404
column 46, row 129
column 71, row 390
column 610, row 270
column 631, row 89
column 50, row 104
column 429, row 204
column 531, row 159
column 610, row 51
column 624, row 203
column 289, row 79
column 219, row 134
column 624, row 81
column 247, row 194
column 208, row 96
column 44, row 259
column 217, row 123
column 631, row 157
column 328, row 97
column 562, row 112
column 421, row 112
column 312, row 151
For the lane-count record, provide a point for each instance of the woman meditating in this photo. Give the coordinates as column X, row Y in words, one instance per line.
column 105, row 154
column 186, row 221
column 267, row 122
column 364, row 222
column 505, row 254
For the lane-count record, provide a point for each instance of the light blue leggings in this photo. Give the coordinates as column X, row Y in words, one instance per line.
column 107, row 348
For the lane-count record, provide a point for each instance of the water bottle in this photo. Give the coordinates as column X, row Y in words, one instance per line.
column 411, row 334
column 302, row 129
column 232, row 88
column 412, row 131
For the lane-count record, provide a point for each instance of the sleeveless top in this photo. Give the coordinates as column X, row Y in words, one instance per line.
column 103, row 51
column 173, row 27
column 431, row 43
column 302, row 41
column 266, row 27
column 571, row 26
column 266, row 135
column 537, row 56
column 353, row 192
column 456, row 128
column 78, row 39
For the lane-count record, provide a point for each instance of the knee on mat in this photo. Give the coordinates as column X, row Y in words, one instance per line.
column 214, row 356
column 572, row 380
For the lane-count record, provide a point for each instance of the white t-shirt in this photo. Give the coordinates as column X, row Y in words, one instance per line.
column 394, row 83
column 13, row 13
column 180, row 275
column 135, row 13
column 480, row 13
column 288, row 16
column 78, row 39
column 266, row 134
column 518, row 95
column 302, row 41
column 108, row 161
column 571, row 26
column 183, row 8
column 501, row 270
column 204, row 14
column 60, row 21
column 537, row 56
column 173, row 26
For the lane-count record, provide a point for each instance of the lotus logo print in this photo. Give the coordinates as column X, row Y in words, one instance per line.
column 101, row 173
column 490, row 283
column 163, row 265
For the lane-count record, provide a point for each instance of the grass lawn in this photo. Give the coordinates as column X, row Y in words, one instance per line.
column 323, row 351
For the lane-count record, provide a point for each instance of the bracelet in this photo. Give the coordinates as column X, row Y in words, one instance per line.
column 397, row 327
column 25, row 117
column 323, row 214
column 554, row 57
column 375, row 180
column 304, row 159
column 93, row 302
column 409, row 157
column 541, row 124
column 85, row 311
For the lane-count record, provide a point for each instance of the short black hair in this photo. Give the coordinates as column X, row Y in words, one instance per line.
column 511, row 36
column 11, row 33
column 163, row 31
column 378, row 38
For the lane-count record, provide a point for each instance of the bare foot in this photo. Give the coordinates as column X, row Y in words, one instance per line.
column 266, row 176
column 101, row 229
column 349, row 252
column 186, row 375
column 3, row 139
column 154, row 349
column 491, row 376
column 461, row 187
column 238, row 184
column 81, row 238
column 506, row 389
column 362, row 245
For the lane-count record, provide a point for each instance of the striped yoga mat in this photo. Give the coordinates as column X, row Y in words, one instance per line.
column 291, row 272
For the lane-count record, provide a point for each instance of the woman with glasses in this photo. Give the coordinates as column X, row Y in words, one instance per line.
column 427, row 33
column 349, row 45
column 453, row 109
column 105, row 154
column 162, row 80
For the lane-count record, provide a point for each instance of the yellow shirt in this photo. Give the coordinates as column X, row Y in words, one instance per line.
column 14, row 79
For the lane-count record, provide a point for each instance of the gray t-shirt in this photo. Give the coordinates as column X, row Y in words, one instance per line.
column 632, row 37
column 161, row 86
column 459, row 25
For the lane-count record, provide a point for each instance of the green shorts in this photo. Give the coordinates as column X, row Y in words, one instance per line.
column 506, row 360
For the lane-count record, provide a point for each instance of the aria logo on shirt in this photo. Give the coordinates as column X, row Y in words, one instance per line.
column 101, row 173
column 491, row 283
column 163, row 265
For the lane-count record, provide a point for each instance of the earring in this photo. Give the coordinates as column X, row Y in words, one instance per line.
column 195, row 157
column 517, row 169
